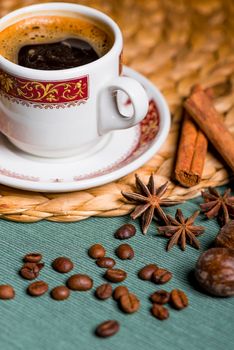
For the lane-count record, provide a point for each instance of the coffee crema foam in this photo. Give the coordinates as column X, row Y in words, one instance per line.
column 50, row 29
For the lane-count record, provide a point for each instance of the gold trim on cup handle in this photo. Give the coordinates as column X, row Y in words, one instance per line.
column 110, row 117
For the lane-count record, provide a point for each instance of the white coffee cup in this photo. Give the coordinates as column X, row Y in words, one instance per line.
column 60, row 113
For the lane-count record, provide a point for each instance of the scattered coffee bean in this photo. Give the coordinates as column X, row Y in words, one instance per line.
column 60, row 293
column 126, row 231
column 115, row 275
column 62, row 264
column 129, row 303
column 40, row 265
column 38, row 288
column 178, row 299
column 107, row 329
column 105, row 262
column 104, row 291
column 160, row 297
column 146, row 272
column 30, row 271
column 32, row 257
column 119, row 291
column 161, row 276
column 215, row 271
column 96, row 251
column 80, row 282
column 6, row 292
column 125, row 251
column 160, row 312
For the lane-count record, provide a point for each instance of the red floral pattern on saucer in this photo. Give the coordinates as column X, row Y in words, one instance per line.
column 147, row 133
column 148, row 130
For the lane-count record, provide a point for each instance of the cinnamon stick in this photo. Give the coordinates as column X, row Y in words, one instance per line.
column 200, row 107
column 192, row 150
column 191, row 153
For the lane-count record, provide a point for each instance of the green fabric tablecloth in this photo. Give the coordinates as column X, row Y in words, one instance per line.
column 28, row 323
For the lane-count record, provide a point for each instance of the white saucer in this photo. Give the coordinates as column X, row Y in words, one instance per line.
column 118, row 154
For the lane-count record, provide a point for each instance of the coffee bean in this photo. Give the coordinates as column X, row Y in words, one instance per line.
column 161, row 276
column 160, row 312
column 40, row 265
column 60, row 293
column 105, row 262
column 104, row 291
column 96, row 251
column 160, row 297
column 6, row 292
column 107, row 329
column 125, row 251
column 115, row 275
column 32, row 257
column 30, row 271
column 129, row 303
column 146, row 272
column 119, row 291
column 125, row 231
column 178, row 299
column 38, row 288
column 62, row 264
column 80, row 282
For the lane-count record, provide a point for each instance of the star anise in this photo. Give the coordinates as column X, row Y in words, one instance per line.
column 149, row 201
column 216, row 205
column 181, row 230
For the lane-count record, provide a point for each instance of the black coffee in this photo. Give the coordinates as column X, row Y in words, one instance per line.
column 65, row 54
column 52, row 42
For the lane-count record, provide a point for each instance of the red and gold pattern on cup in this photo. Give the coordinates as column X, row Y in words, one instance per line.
column 44, row 94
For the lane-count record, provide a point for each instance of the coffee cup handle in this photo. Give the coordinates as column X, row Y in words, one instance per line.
column 110, row 117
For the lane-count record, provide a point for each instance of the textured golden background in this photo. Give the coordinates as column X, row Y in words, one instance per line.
column 175, row 44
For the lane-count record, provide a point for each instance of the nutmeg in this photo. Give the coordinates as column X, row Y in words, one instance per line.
column 225, row 237
column 215, row 271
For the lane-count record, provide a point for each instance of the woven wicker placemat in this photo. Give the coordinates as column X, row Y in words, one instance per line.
column 175, row 44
